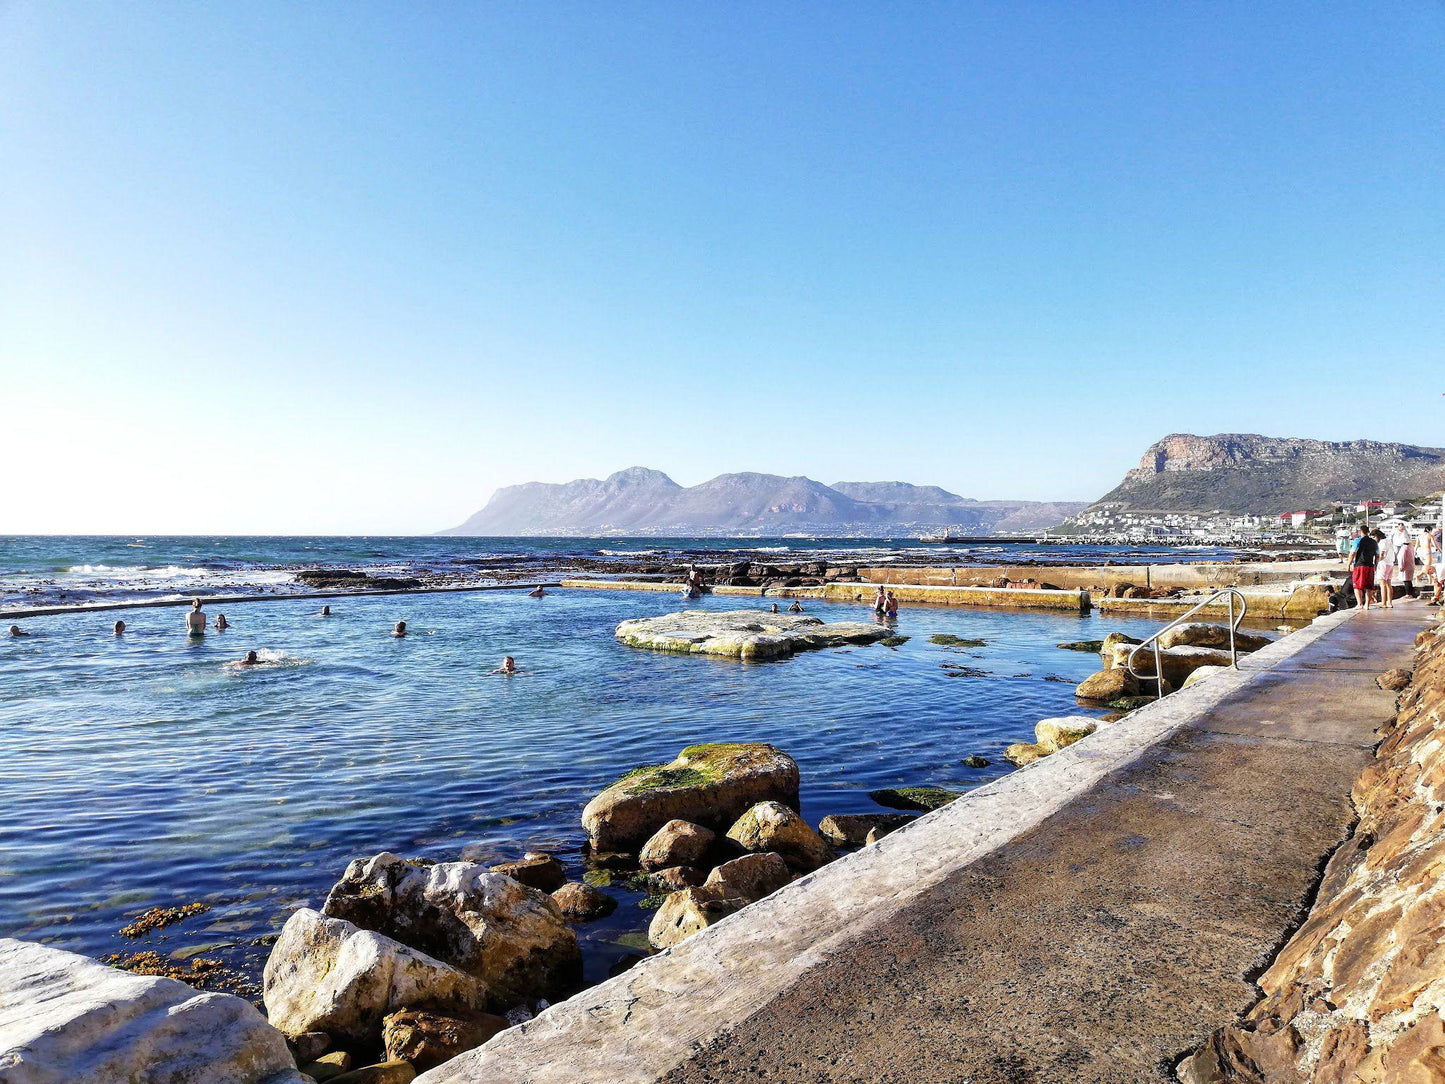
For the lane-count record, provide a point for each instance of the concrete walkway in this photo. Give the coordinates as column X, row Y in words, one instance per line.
column 1087, row 919
column 1113, row 937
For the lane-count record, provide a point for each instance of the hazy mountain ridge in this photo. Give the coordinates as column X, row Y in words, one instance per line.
column 1250, row 473
column 647, row 502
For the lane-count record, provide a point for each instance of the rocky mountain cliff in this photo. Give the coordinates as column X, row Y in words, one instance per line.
column 1248, row 473
column 639, row 501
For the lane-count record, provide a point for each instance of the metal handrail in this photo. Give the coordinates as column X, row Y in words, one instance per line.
column 1231, row 594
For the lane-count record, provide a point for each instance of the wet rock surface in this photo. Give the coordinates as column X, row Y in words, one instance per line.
column 743, row 634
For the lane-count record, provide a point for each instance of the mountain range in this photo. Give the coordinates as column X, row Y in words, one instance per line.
column 1249, row 473
column 639, row 501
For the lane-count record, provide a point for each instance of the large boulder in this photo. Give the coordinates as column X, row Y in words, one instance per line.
column 1109, row 643
column 684, row 913
column 1108, row 685
column 511, row 937
column 851, row 829
column 426, row 1039
column 772, row 826
column 676, row 843
column 711, row 785
column 752, row 876
column 1201, row 634
column 326, row 974
column 743, row 634
column 1178, row 662
column 535, row 869
column 1051, row 735
column 67, row 1018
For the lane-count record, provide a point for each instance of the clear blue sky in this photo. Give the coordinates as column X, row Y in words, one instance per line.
column 346, row 267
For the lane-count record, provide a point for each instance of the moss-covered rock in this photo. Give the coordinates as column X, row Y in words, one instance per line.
column 711, row 785
column 1051, row 735
column 1082, row 645
column 920, row 798
column 944, row 639
column 1024, row 753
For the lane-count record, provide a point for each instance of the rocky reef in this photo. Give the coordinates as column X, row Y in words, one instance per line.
column 743, row 634
column 1357, row 993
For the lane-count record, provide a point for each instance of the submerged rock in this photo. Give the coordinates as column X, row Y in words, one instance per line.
column 65, row 1017
column 925, row 799
column 743, row 634
column 426, row 1039
column 772, row 826
column 511, row 937
column 684, row 913
column 711, row 785
column 851, row 829
column 388, row 1072
column 1051, row 735
column 975, row 761
column 326, row 974
column 1082, row 645
column 676, row 843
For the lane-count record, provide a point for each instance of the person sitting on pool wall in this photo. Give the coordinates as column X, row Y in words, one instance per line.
column 400, row 629
column 196, row 619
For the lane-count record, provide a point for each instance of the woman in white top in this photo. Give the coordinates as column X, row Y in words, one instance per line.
column 1385, row 570
column 1405, row 558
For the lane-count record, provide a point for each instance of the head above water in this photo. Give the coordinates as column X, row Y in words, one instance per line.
column 119, row 627
column 15, row 630
column 400, row 628
column 195, row 604
column 326, row 611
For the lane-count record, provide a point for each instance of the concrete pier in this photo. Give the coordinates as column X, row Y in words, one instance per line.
column 1089, row 918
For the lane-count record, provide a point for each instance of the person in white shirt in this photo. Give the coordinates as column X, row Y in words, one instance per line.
column 1385, row 570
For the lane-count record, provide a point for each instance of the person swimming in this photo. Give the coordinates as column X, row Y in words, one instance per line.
column 221, row 623
column 119, row 627
column 775, row 608
column 196, row 619
column 537, row 592
column 325, row 612
column 880, row 602
column 250, row 659
column 796, row 607
column 509, row 666
column 400, row 629
column 16, row 630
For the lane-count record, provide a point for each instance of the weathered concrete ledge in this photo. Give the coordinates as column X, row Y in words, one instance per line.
column 1296, row 600
column 1076, row 601
column 1177, row 574
column 231, row 600
column 1137, row 911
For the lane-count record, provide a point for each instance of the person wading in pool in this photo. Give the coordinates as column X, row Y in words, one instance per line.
column 400, row 629
column 196, row 619
column 509, row 666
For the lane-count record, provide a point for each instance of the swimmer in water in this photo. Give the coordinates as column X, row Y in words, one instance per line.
column 221, row 623
column 796, row 607
column 400, row 629
column 251, row 659
column 509, row 666
column 537, row 592
column 880, row 601
column 325, row 612
column 119, row 627
column 891, row 610
column 196, row 619
column 16, row 630
column 775, row 608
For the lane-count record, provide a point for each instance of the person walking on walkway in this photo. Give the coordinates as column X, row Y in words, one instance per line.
column 1362, row 569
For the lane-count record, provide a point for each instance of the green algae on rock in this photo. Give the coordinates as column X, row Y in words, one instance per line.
column 923, row 798
column 945, row 639
column 711, row 784
column 742, row 634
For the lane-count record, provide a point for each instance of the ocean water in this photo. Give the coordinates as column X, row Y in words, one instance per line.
column 147, row 769
column 50, row 570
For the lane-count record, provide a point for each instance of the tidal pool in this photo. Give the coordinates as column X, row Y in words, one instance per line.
column 145, row 770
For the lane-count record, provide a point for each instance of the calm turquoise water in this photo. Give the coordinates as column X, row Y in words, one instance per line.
column 143, row 770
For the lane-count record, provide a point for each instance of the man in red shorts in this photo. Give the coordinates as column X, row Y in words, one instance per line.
column 1362, row 568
